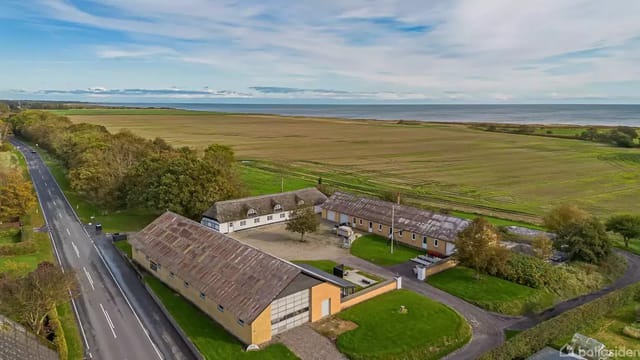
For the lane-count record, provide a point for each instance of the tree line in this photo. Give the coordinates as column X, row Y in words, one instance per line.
column 123, row 170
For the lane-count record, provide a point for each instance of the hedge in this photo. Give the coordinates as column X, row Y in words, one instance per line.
column 19, row 248
column 58, row 339
column 562, row 326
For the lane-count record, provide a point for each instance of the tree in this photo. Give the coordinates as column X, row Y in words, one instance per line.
column 561, row 216
column 586, row 241
column 29, row 299
column 303, row 220
column 478, row 247
column 16, row 194
column 628, row 226
column 542, row 246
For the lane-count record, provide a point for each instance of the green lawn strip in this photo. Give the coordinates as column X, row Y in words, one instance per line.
column 508, row 334
column 492, row 293
column 71, row 333
column 496, row 220
column 261, row 182
column 324, row 265
column 116, row 221
column 125, row 247
column 377, row 250
column 211, row 339
column 634, row 245
column 429, row 330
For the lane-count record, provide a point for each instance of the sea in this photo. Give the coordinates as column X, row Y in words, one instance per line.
column 606, row 115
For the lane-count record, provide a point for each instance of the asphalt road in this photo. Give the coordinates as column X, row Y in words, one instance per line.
column 117, row 317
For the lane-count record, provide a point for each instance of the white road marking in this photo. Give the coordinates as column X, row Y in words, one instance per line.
column 45, row 184
column 68, row 232
column 88, row 277
column 106, row 315
column 75, row 248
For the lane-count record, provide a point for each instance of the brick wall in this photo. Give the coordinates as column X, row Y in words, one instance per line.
column 371, row 292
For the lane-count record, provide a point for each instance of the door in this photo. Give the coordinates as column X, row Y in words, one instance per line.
column 424, row 242
column 326, row 307
column 344, row 218
column 331, row 215
column 370, row 226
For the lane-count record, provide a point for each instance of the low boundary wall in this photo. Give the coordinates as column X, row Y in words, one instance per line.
column 371, row 292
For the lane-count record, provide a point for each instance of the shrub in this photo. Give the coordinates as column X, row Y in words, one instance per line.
column 631, row 331
column 58, row 335
column 19, row 248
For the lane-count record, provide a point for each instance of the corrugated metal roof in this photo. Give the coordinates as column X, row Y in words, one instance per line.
column 330, row 278
column 407, row 218
column 237, row 276
column 232, row 210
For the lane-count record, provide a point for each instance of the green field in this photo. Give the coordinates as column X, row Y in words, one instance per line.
column 261, row 182
column 428, row 330
column 213, row 341
column 324, row 265
column 491, row 292
column 377, row 250
column 130, row 111
column 443, row 165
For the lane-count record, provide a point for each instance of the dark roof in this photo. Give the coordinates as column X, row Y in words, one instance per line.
column 330, row 278
column 232, row 210
column 16, row 342
column 407, row 218
column 237, row 276
column 301, row 282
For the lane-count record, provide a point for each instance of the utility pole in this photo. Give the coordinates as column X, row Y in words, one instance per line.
column 393, row 215
column 281, row 183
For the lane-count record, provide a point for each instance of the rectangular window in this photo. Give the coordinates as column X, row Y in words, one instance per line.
column 186, row 284
column 220, row 308
column 424, row 240
column 243, row 223
column 354, row 221
column 269, row 217
column 281, row 215
column 172, row 275
column 435, row 242
column 240, row 322
column 256, row 220
column 413, row 236
column 360, row 222
column 202, row 296
column 390, row 231
column 230, row 224
column 400, row 233
column 380, row 227
column 154, row 266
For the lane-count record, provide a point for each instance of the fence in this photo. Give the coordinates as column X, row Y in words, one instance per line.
column 18, row 343
column 371, row 292
column 441, row 266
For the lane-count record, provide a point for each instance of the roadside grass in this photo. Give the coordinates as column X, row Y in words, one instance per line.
column 261, row 182
column 10, row 236
column 75, row 347
column 634, row 244
column 377, row 249
column 428, row 330
column 112, row 221
column 508, row 334
column 608, row 330
column 211, row 339
column 496, row 220
column 125, row 247
column 492, row 293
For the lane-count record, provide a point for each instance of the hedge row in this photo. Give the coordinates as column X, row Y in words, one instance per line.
column 58, row 339
column 562, row 326
column 19, row 248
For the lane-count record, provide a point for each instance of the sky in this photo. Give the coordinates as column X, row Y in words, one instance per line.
column 329, row 51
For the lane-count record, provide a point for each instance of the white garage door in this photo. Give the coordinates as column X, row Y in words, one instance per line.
column 289, row 311
column 344, row 218
column 331, row 215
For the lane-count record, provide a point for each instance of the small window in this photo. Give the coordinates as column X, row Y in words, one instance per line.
column 240, row 322
column 251, row 212
column 277, row 208
column 380, row 227
column 413, row 236
column 202, row 295
column 390, row 230
column 354, row 221
column 360, row 221
column 269, row 217
column 435, row 242
column 400, row 233
column 220, row 308
column 243, row 223
column 172, row 275
column 256, row 220
column 282, row 216
column 146, row 257
column 424, row 240
column 186, row 284
column 230, row 224
column 154, row 266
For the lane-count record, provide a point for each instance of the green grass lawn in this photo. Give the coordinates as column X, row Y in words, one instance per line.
column 491, row 293
column 131, row 111
column 125, row 247
column 634, row 245
column 9, row 236
column 75, row 347
column 377, row 250
column 324, row 265
column 261, row 182
column 211, row 339
column 508, row 334
column 429, row 330
column 496, row 220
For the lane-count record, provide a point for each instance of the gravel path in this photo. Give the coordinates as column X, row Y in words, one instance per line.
column 307, row 344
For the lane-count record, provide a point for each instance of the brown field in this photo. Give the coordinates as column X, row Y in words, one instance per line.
column 445, row 165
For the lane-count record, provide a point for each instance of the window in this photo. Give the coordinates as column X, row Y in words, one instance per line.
column 154, row 266
column 230, row 224
column 400, row 233
column 220, row 308
column 354, row 221
column 269, row 217
column 277, row 208
column 172, row 275
column 424, row 240
column 202, row 296
column 243, row 223
column 435, row 242
column 251, row 212
column 240, row 322
column 282, row 216
column 390, row 231
column 360, row 222
column 186, row 284
column 413, row 237
column 379, row 227
column 256, row 220
column 146, row 257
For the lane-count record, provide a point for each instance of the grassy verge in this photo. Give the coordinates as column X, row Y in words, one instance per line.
column 496, row 220
column 324, row 265
column 428, row 330
column 212, row 340
column 377, row 250
column 508, row 334
column 67, row 319
column 492, row 293
column 125, row 247
column 634, row 245
column 261, row 182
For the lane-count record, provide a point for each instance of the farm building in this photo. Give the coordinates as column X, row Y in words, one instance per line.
column 233, row 215
column 436, row 233
column 252, row 294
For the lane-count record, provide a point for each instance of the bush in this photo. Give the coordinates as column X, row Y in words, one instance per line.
column 19, row 248
column 58, row 335
column 562, row 326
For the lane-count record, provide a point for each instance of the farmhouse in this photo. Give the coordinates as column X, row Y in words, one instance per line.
column 436, row 233
column 233, row 215
column 252, row 294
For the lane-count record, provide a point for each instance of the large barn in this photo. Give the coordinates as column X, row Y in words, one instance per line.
column 233, row 215
column 435, row 233
column 252, row 294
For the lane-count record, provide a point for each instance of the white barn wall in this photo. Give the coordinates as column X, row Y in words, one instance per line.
column 249, row 223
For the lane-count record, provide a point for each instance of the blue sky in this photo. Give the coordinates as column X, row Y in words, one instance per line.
column 348, row 51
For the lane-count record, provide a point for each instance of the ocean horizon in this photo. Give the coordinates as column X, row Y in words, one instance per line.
column 578, row 114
